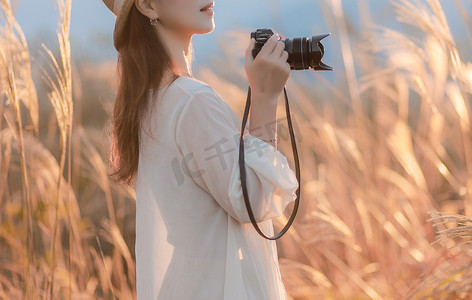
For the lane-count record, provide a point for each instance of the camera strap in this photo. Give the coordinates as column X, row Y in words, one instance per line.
column 242, row 168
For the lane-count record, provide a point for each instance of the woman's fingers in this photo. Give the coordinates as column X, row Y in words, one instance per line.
column 279, row 48
column 272, row 47
column 272, row 55
column 269, row 45
column 284, row 55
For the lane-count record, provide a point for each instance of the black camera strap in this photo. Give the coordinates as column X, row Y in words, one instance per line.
column 242, row 168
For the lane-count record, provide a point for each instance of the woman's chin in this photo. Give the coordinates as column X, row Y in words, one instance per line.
column 207, row 29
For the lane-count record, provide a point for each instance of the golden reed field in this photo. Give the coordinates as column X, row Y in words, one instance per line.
column 386, row 166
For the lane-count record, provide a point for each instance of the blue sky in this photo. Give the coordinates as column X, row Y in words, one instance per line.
column 92, row 23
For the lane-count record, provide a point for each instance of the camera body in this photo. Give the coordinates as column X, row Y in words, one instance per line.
column 303, row 53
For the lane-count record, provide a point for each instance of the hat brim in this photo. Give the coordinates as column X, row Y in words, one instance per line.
column 121, row 22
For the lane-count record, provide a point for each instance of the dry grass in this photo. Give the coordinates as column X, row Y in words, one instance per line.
column 375, row 178
column 48, row 249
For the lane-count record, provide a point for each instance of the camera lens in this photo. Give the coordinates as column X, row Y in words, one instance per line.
column 303, row 53
column 300, row 53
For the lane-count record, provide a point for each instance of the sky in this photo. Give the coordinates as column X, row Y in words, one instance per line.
column 92, row 23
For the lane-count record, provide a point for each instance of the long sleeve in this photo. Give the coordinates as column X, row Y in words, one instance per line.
column 208, row 140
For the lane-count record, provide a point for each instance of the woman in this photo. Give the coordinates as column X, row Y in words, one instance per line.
column 194, row 239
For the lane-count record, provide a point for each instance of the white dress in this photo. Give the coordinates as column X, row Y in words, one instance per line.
column 194, row 238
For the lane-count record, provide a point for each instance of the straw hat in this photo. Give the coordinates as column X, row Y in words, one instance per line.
column 121, row 10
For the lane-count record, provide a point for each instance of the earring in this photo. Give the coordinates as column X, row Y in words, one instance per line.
column 153, row 22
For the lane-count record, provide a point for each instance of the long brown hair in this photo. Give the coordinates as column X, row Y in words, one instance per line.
column 142, row 62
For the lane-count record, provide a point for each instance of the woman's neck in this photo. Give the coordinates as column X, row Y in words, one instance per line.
column 178, row 46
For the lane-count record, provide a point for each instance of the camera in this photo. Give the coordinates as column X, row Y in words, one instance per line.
column 303, row 53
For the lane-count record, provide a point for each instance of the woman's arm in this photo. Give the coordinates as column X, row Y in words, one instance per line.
column 263, row 118
column 209, row 140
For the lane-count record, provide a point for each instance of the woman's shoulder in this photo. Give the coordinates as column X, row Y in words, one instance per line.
column 189, row 91
column 203, row 99
column 181, row 91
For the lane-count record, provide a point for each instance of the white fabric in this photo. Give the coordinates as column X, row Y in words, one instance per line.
column 194, row 239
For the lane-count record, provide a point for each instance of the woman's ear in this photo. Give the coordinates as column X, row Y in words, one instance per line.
column 147, row 8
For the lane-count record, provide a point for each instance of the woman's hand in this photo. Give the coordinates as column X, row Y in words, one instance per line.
column 269, row 71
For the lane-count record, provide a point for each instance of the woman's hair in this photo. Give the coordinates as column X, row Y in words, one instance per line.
column 142, row 62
